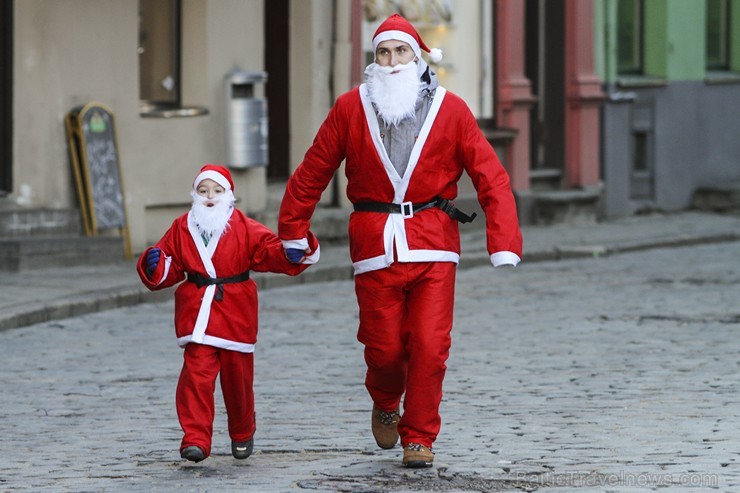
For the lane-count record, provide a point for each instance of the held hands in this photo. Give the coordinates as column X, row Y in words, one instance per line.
column 295, row 255
column 152, row 261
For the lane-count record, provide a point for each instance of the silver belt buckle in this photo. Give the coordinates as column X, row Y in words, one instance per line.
column 407, row 210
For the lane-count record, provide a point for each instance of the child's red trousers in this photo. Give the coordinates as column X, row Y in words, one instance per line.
column 405, row 324
column 195, row 394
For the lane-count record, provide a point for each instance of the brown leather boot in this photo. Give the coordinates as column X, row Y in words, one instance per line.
column 384, row 427
column 417, row 456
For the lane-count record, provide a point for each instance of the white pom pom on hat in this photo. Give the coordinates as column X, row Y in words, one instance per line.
column 435, row 55
column 398, row 28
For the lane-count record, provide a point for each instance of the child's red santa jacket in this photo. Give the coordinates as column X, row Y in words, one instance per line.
column 449, row 143
column 246, row 246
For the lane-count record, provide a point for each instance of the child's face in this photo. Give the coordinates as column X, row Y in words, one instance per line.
column 210, row 190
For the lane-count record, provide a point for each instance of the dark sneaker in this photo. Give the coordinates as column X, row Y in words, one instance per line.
column 193, row 453
column 242, row 450
column 417, row 456
column 384, row 426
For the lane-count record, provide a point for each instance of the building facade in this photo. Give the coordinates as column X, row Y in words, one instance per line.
column 671, row 71
column 611, row 105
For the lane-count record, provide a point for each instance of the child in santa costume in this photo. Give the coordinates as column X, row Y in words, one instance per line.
column 213, row 248
column 406, row 141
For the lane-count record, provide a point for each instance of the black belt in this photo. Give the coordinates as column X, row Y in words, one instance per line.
column 201, row 281
column 407, row 209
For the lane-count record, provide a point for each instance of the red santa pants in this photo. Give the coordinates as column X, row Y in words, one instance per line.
column 405, row 324
column 195, row 394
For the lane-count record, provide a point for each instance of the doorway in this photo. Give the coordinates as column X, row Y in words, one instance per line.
column 6, row 97
column 277, row 88
column 545, row 68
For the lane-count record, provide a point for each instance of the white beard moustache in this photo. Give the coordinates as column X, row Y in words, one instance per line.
column 214, row 220
column 394, row 94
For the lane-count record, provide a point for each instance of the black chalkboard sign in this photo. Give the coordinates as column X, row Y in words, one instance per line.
column 94, row 154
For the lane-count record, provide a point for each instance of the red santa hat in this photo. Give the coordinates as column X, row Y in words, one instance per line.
column 217, row 173
column 398, row 28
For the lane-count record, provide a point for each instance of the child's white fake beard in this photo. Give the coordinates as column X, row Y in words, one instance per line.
column 394, row 94
column 212, row 220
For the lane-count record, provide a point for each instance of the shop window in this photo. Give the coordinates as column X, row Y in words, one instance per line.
column 630, row 24
column 718, row 35
column 160, row 56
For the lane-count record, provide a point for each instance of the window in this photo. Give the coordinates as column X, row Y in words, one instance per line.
column 718, row 35
column 630, row 37
column 160, row 52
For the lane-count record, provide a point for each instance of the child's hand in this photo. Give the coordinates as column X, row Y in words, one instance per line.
column 152, row 260
column 295, row 255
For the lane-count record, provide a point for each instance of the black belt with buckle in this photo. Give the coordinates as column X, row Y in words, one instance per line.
column 408, row 209
column 201, row 281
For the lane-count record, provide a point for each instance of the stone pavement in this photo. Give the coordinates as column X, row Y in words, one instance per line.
column 615, row 374
column 36, row 296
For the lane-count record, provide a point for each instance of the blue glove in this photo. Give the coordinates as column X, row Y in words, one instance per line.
column 152, row 260
column 295, row 254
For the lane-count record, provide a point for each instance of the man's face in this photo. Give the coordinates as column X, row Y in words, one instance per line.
column 392, row 52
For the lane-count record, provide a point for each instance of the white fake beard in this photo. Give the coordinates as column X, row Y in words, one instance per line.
column 394, row 94
column 212, row 220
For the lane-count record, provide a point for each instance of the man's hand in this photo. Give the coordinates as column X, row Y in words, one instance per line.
column 152, row 261
column 295, row 255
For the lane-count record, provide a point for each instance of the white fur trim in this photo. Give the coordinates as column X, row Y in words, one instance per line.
column 241, row 347
column 210, row 174
column 435, row 55
column 381, row 262
column 313, row 258
column 372, row 123
column 370, row 264
column 431, row 256
column 167, row 264
column 204, row 313
column 421, row 140
column 505, row 258
column 205, row 254
column 398, row 36
column 301, row 244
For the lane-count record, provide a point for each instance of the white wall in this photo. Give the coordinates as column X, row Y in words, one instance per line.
column 67, row 54
column 310, row 68
column 71, row 52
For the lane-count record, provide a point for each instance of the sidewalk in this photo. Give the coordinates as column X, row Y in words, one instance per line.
column 32, row 297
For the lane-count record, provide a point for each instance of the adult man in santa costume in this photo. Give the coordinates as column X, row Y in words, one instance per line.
column 406, row 141
column 213, row 248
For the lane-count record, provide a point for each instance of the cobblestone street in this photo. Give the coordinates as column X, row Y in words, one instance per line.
column 603, row 374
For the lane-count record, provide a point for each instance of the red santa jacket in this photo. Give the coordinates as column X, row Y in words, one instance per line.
column 247, row 245
column 449, row 142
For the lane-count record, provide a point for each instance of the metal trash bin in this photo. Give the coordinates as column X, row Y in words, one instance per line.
column 246, row 120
